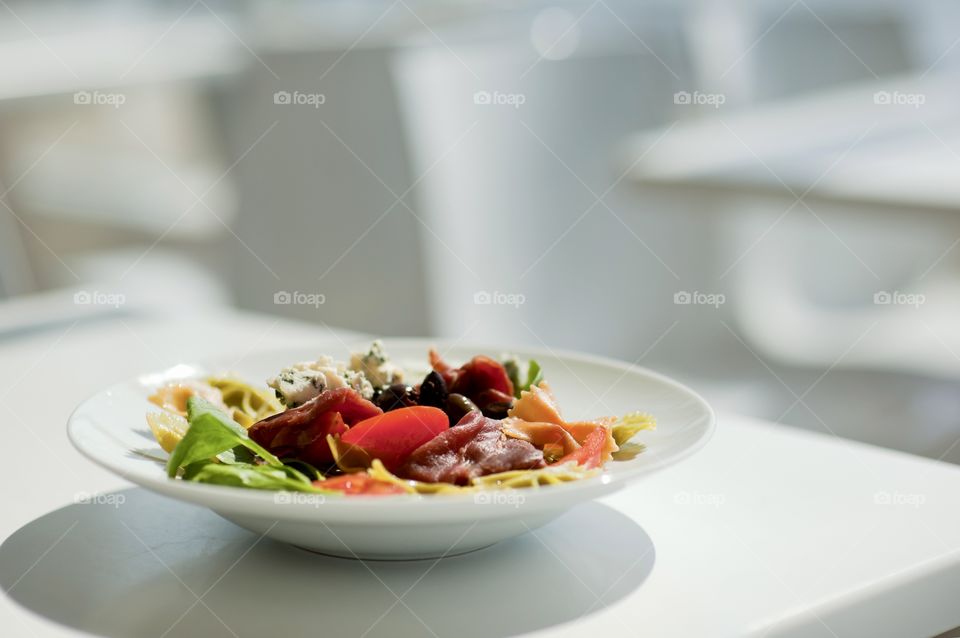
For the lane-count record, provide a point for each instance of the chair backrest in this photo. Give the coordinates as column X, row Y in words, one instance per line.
column 510, row 232
column 16, row 276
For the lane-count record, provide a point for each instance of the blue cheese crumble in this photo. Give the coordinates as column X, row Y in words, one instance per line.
column 375, row 365
column 367, row 371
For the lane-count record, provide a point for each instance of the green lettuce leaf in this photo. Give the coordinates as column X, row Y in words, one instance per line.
column 534, row 374
column 258, row 477
column 212, row 433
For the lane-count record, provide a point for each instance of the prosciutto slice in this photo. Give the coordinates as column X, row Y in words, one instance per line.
column 301, row 432
column 475, row 447
column 541, row 435
column 476, row 376
column 535, row 417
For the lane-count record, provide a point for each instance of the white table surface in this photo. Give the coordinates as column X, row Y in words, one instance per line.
column 835, row 147
column 768, row 531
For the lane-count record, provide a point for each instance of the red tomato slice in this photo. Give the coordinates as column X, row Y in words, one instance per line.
column 590, row 452
column 393, row 436
column 359, row 483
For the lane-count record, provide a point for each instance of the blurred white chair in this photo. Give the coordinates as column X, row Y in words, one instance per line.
column 755, row 52
column 512, row 124
column 95, row 177
column 16, row 276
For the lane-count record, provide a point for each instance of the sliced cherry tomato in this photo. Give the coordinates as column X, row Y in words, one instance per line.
column 392, row 436
column 589, row 454
column 359, row 483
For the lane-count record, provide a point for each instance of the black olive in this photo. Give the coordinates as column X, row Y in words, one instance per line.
column 458, row 406
column 497, row 409
column 396, row 396
column 433, row 390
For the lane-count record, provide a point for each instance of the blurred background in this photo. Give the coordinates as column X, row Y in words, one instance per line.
column 760, row 197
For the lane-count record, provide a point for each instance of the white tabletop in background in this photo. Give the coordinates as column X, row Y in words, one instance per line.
column 768, row 531
column 838, row 146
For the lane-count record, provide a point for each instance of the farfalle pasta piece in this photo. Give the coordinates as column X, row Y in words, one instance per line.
column 580, row 430
column 552, row 438
column 538, row 408
column 537, row 405
column 172, row 397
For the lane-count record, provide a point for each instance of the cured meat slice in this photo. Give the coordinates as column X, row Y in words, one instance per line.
column 538, row 407
column 475, row 447
column 475, row 376
column 301, row 432
column 541, row 434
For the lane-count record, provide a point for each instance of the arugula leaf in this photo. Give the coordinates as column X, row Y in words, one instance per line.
column 303, row 468
column 258, row 477
column 534, row 374
column 211, row 433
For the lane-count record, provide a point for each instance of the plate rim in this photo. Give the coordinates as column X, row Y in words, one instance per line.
column 242, row 500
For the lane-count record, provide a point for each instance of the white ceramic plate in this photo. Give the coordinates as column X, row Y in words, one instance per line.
column 109, row 428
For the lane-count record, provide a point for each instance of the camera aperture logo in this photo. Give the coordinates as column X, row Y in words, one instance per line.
column 509, row 498
column 299, row 498
column 898, row 298
column 497, row 298
column 99, row 298
column 899, row 98
column 499, row 98
column 110, row 499
column 697, row 298
column 99, row 98
column 299, row 98
column 698, row 98
column 297, row 298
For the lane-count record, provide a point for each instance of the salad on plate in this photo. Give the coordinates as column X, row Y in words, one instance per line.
column 368, row 426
